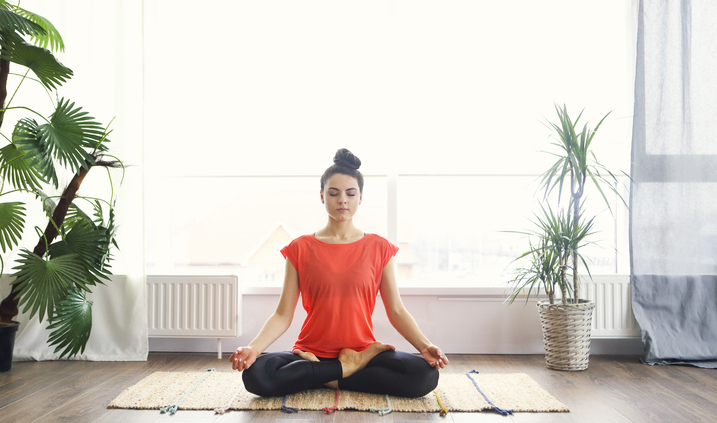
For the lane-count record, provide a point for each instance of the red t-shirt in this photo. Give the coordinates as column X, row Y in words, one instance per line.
column 339, row 284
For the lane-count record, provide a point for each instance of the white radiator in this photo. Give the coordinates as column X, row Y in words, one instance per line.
column 194, row 307
column 613, row 316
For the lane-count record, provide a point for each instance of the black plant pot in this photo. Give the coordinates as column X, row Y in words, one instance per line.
column 7, row 343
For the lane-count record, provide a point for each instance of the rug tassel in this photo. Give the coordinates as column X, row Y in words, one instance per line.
column 287, row 409
column 171, row 409
column 383, row 411
column 222, row 410
column 495, row 407
column 444, row 410
column 330, row 410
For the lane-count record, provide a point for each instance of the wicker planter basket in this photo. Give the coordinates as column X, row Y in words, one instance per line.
column 566, row 334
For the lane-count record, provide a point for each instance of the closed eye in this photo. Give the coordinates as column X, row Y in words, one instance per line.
column 351, row 192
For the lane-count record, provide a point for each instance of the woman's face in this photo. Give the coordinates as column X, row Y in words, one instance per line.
column 341, row 196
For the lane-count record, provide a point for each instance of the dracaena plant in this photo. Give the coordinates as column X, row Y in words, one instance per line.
column 559, row 234
column 553, row 241
column 72, row 251
column 575, row 169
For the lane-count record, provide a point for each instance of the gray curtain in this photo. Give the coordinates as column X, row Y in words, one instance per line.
column 673, row 210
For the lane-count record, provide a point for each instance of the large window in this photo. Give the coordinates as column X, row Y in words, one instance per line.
column 444, row 102
column 460, row 230
column 237, row 225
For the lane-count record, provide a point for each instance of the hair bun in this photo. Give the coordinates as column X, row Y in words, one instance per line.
column 346, row 158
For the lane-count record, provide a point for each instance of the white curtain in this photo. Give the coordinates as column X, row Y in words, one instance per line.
column 104, row 49
column 674, row 207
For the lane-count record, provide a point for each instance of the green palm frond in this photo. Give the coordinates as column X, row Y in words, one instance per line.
column 112, row 228
column 40, row 60
column 75, row 215
column 89, row 243
column 12, row 222
column 17, row 169
column 48, row 204
column 69, row 132
column 27, row 138
column 109, row 226
column 97, row 213
column 49, row 37
column 13, row 22
column 67, row 137
column 71, row 324
column 41, row 283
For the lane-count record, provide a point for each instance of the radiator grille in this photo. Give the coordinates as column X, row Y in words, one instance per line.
column 193, row 306
column 613, row 316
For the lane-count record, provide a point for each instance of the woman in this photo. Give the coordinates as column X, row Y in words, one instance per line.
column 338, row 271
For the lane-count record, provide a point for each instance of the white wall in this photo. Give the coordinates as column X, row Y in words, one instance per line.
column 460, row 321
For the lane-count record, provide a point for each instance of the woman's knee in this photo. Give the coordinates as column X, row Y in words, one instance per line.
column 424, row 378
column 255, row 381
column 426, row 382
column 259, row 378
column 413, row 376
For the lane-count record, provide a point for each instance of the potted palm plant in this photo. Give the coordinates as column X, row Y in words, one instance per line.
column 72, row 251
column 556, row 241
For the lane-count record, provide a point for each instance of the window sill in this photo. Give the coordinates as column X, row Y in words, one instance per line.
column 445, row 293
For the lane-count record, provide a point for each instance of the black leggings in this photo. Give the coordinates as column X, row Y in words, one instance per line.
column 390, row 372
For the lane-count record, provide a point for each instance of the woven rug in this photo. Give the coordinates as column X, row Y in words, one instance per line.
column 222, row 391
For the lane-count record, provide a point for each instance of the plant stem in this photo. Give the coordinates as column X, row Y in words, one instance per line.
column 9, row 306
column 4, row 72
column 58, row 216
column 17, row 88
column 563, row 278
column 576, row 200
column 576, row 215
column 551, row 292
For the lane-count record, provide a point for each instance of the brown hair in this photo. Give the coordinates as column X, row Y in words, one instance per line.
column 345, row 163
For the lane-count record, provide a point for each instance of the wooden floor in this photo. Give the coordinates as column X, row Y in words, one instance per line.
column 613, row 389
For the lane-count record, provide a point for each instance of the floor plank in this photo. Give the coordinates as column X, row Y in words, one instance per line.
column 612, row 389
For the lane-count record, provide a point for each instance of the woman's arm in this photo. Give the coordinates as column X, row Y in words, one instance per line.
column 404, row 323
column 275, row 326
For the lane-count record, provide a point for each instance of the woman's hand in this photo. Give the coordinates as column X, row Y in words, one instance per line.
column 435, row 357
column 243, row 358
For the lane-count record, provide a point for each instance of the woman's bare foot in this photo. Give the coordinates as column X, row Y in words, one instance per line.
column 305, row 355
column 352, row 361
